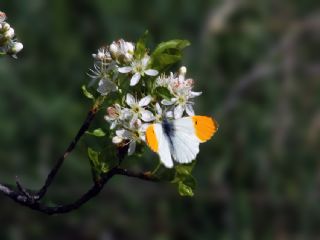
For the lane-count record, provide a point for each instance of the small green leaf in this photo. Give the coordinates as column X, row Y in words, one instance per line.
column 97, row 133
column 185, row 190
column 104, row 167
column 94, row 157
column 165, row 174
column 184, row 179
column 141, row 48
column 177, row 44
column 86, row 92
column 185, row 169
column 167, row 59
column 163, row 92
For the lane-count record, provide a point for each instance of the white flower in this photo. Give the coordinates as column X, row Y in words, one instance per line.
column 9, row 33
column 116, row 114
column 164, row 80
column 139, row 68
column 101, row 72
column 137, row 108
column 103, row 55
column 135, row 134
column 181, row 103
column 122, row 50
column 181, row 89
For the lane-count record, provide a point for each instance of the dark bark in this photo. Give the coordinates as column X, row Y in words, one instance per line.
column 32, row 199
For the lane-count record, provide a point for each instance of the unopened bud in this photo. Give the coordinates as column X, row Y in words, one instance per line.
column 17, row 47
column 6, row 27
column 9, row 33
column 3, row 17
column 183, row 71
column 114, row 49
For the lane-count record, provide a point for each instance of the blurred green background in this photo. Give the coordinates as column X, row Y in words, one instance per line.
column 258, row 65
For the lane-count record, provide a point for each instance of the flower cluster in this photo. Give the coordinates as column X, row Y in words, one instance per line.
column 8, row 43
column 139, row 91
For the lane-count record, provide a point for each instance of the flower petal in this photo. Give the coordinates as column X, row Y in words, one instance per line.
column 145, row 60
column 145, row 101
column 158, row 109
column 125, row 69
column 169, row 114
column 168, row 102
column 189, row 110
column 132, row 148
column 113, row 125
column 147, row 116
column 125, row 134
column 194, row 94
column 117, row 139
column 178, row 111
column 130, row 99
column 151, row 72
column 135, row 79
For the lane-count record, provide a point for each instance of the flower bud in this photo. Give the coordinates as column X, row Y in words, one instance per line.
column 9, row 33
column 17, row 47
column 3, row 17
column 117, row 139
column 114, row 49
column 183, row 71
column 6, row 26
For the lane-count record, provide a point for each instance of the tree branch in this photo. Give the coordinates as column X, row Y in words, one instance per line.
column 90, row 116
column 25, row 200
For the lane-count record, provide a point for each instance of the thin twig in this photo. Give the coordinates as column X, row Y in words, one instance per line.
column 90, row 116
column 96, row 188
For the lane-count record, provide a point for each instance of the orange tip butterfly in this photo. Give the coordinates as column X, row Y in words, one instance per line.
column 179, row 139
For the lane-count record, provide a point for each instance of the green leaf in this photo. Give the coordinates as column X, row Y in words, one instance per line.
column 185, row 169
column 167, row 59
column 86, row 92
column 184, row 179
column 94, row 157
column 141, row 48
column 97, row 133
column 165, row 174
column 163, row 92
column 177, row 44
column 185, row 190
column 104, row 167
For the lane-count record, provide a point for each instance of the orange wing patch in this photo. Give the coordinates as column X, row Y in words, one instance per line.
column 204, row 127
column 152, row 138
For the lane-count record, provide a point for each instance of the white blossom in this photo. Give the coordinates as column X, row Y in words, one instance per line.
column 135, row 134
column 103, row 55
column 137, row 108
column 116, row 114
column 181, row 89
column 122, row 50
column 139, row 68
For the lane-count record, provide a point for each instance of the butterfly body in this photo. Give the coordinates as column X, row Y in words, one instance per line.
column 179, row 139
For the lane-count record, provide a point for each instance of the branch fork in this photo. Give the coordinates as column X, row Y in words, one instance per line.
column 32, row 199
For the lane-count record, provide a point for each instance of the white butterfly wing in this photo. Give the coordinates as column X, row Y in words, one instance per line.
column 164, row 146
column 184, row 141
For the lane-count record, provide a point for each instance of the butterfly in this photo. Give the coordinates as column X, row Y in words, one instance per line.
column 179, row 139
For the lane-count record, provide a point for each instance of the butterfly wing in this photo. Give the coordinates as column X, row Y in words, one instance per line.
column 189, row 133
column 204, row 127
column 185, row 143
column 159, row 143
